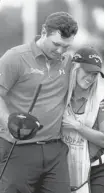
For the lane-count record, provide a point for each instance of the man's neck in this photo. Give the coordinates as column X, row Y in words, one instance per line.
column 39, row 43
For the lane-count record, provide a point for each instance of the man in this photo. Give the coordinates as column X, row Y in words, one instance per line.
column 39, row 162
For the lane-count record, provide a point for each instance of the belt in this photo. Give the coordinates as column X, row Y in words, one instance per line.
column 97, row 162
column 46, row 142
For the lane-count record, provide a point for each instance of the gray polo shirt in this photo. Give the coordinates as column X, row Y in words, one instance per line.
column 22, row 69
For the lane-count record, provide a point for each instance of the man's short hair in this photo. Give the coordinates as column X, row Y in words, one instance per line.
column 62, row 22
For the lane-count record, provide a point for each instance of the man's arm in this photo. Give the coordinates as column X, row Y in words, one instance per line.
column 9, row 73
column 4, row 113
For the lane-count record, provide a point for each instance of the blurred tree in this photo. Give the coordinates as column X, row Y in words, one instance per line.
column 10, row 28
column 90, row 6
column 92, row 27
column 93, row 3
column 45, row 8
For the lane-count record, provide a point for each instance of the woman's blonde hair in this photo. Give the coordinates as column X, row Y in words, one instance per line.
column 72, row 85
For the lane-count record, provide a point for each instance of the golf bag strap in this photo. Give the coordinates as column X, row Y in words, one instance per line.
column 87, row 181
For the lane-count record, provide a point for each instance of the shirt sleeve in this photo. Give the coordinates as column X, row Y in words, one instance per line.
column 101, row 120
column 9, row 69
column 99, row 123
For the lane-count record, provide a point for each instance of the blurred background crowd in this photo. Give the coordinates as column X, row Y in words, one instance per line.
column 21, row 20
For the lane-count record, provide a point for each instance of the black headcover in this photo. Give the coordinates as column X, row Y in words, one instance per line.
column 23, row 125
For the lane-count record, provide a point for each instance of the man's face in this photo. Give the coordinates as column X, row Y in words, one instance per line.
column 54, row 45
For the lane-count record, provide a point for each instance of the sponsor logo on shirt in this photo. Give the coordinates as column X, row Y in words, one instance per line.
column 34, row 71
column 61, row 71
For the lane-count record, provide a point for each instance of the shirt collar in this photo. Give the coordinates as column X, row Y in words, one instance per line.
column 35, row 49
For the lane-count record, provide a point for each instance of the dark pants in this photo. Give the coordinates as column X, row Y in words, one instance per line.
column 97, row 179
column 35, row 168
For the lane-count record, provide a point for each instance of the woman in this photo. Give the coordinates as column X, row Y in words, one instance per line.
column 83, row 122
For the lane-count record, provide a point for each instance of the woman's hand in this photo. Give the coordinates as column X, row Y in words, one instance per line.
column 67, row 122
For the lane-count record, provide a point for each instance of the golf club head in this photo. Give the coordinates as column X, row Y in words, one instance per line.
column 23, row 125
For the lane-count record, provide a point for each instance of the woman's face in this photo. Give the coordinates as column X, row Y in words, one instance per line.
column 85, row 79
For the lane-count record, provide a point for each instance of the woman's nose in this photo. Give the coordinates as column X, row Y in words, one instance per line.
column 90, row 76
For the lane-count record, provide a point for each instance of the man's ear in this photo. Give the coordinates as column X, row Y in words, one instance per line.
column 44, row 32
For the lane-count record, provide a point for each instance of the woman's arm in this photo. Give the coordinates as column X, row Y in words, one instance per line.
column 92, row 135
